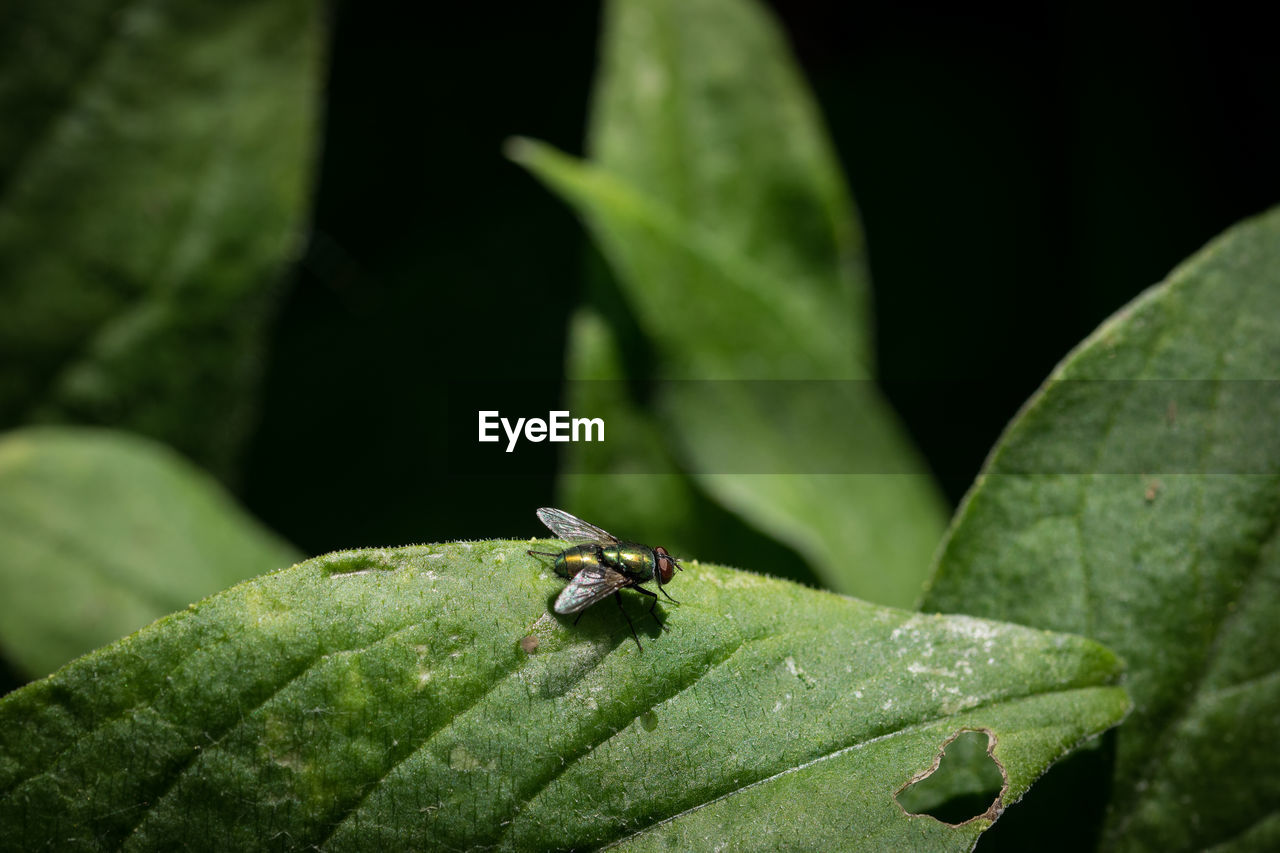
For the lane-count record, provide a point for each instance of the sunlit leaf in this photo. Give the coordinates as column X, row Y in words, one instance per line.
column 425, row 698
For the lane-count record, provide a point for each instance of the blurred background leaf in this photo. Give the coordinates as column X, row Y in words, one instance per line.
column 1015, row 178
column 1136, row 500
column 102, row 532
column 155, row 160
column 716, row 196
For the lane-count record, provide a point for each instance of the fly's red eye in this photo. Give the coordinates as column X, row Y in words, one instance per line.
column 666, row 565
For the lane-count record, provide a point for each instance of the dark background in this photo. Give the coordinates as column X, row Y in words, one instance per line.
column 1020, row 177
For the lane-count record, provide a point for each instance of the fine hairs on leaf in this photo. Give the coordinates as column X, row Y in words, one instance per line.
column 392, row 699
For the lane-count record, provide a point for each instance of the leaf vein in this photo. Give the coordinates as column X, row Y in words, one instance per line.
column 355, row 805
column 1160, row 751
column 69, row 104
column 97, row 725
column 836, row 753
column 193, row 754
column 594, row 744
column 1230, row 690
column 34, row 529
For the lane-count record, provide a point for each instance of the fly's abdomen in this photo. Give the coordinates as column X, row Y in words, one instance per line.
column 575, row 559
column 633, row 559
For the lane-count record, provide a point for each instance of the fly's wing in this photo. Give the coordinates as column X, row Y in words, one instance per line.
column 589, row 586
column 573, row 529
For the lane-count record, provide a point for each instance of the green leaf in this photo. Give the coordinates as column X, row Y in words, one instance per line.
column 426, row 698
column 716, row 197
column 630, row 481
column 718, row 181
column 102, row 532
column 1136, row 500
column 616, row 478
column 154, row 174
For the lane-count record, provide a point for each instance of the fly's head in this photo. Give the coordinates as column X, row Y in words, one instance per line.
column 667, row 565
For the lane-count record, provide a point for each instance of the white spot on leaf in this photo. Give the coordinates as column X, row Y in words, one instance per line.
column 461, row 759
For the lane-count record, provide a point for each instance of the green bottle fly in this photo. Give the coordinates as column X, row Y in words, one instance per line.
column 601, row 565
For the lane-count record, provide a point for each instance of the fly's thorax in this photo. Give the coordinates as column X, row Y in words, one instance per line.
column 633, row 559
column 573, row 560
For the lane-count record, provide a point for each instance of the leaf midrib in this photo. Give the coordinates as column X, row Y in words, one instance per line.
column 302, row 673
column 750, row 279
column 853, row 747
column 716, row 663
column 992, row 702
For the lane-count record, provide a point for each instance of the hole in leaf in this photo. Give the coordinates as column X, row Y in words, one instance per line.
column 966, row 782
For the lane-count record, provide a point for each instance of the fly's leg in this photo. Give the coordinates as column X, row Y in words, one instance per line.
column 652, row 611
column 617, row 596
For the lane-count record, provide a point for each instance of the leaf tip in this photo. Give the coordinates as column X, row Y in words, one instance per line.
column 519, row 149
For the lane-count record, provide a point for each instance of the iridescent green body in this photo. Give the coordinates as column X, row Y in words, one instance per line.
column 632, row 559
